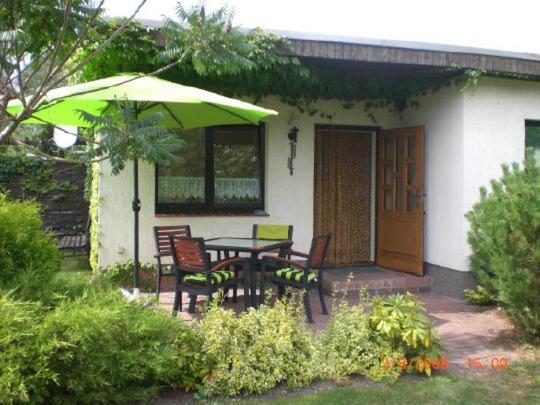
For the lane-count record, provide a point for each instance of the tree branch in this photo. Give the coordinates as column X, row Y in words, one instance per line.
column 56, row 158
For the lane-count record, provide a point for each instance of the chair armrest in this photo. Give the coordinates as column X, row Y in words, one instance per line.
column 297, row 253
column 283, row 261
column 228, row 262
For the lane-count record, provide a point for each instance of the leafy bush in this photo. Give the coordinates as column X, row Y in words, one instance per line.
column 28, row 255
column 94, row 349
column 505, row 240
column 23, row 368
column 258, row 349
column 121, row 275
column 479, row 296
column 350, row 346
column 401, row 322
column 103, row 349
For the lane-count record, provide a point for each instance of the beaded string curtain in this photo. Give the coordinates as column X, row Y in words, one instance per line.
column 343, row 194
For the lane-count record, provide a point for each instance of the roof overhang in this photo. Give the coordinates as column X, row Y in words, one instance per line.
column 411, row 53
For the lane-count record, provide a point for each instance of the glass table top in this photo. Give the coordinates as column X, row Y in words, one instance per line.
column 243, row 243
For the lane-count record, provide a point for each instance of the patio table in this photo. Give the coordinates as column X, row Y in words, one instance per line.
column 254, row 247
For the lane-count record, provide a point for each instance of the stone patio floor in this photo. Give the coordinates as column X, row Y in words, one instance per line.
column 466, row 331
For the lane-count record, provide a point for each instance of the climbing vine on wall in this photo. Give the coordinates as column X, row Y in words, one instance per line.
column 300, row 83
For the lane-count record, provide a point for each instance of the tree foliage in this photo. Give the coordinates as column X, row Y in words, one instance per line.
column 505, row 242
column 126, row 136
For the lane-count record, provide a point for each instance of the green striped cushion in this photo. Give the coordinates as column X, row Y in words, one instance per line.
column 217, row 277
column 295, row 274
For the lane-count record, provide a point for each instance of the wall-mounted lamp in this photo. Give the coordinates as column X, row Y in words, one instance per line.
column 293, row 138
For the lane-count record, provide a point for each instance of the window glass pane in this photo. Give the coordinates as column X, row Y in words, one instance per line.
column 532, row 138
column 236, row 165
column 183, row 182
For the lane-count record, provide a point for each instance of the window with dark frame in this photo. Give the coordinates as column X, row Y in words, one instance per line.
column 532, row 138
column 221, row 169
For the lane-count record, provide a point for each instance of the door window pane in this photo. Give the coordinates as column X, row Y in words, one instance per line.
column 411, row 201
column 388, row 148
column 236, row 166
column 411, row 147
column 388, row 175
column 388, row 200
column 399, row 193
column 184, row 181
column 411, row 174
column 399, row 154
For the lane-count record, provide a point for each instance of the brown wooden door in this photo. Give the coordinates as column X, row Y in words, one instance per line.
column 400, row 210
column 342, row 199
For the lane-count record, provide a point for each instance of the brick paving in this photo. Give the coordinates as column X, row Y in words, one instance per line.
column 466, row 331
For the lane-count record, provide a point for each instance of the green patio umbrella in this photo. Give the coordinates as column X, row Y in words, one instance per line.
column 184, row 107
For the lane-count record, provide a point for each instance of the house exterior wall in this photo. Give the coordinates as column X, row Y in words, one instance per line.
column 468, row 135
column 441, row 114
column 289, row 199
column 467, row 138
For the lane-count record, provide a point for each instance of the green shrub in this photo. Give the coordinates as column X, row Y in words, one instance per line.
column 121, row 275
column 97, row 348
column 258, row 349
column 104, row 349
column 28, row 255
column 23, row 367
column 350, row 347
column 401, row 322
column 505, row 240
column 479, row 296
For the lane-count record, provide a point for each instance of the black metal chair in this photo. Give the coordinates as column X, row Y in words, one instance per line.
column 163, row 249
column 285, row 272
column 197, row 275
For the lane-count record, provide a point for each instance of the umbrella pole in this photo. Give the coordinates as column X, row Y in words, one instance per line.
column 136, row 205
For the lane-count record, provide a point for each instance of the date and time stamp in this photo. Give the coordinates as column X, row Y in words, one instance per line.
column 493, row 362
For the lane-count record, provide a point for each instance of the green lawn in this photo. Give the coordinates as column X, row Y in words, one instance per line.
column 519, row 384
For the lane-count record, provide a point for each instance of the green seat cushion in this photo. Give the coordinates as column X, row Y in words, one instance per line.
column 295, row 275
column 218, row 277
column 273, row 232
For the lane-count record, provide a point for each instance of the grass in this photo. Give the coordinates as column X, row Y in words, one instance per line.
column 519, row 384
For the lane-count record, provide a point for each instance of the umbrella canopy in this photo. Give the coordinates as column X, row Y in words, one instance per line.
column 182, row 107
column 185, row 107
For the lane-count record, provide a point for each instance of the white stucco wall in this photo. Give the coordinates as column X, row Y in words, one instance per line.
column 289, row 199
column 441, row 114
column 468, row 136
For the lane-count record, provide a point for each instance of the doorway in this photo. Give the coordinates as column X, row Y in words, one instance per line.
column 344, row 195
